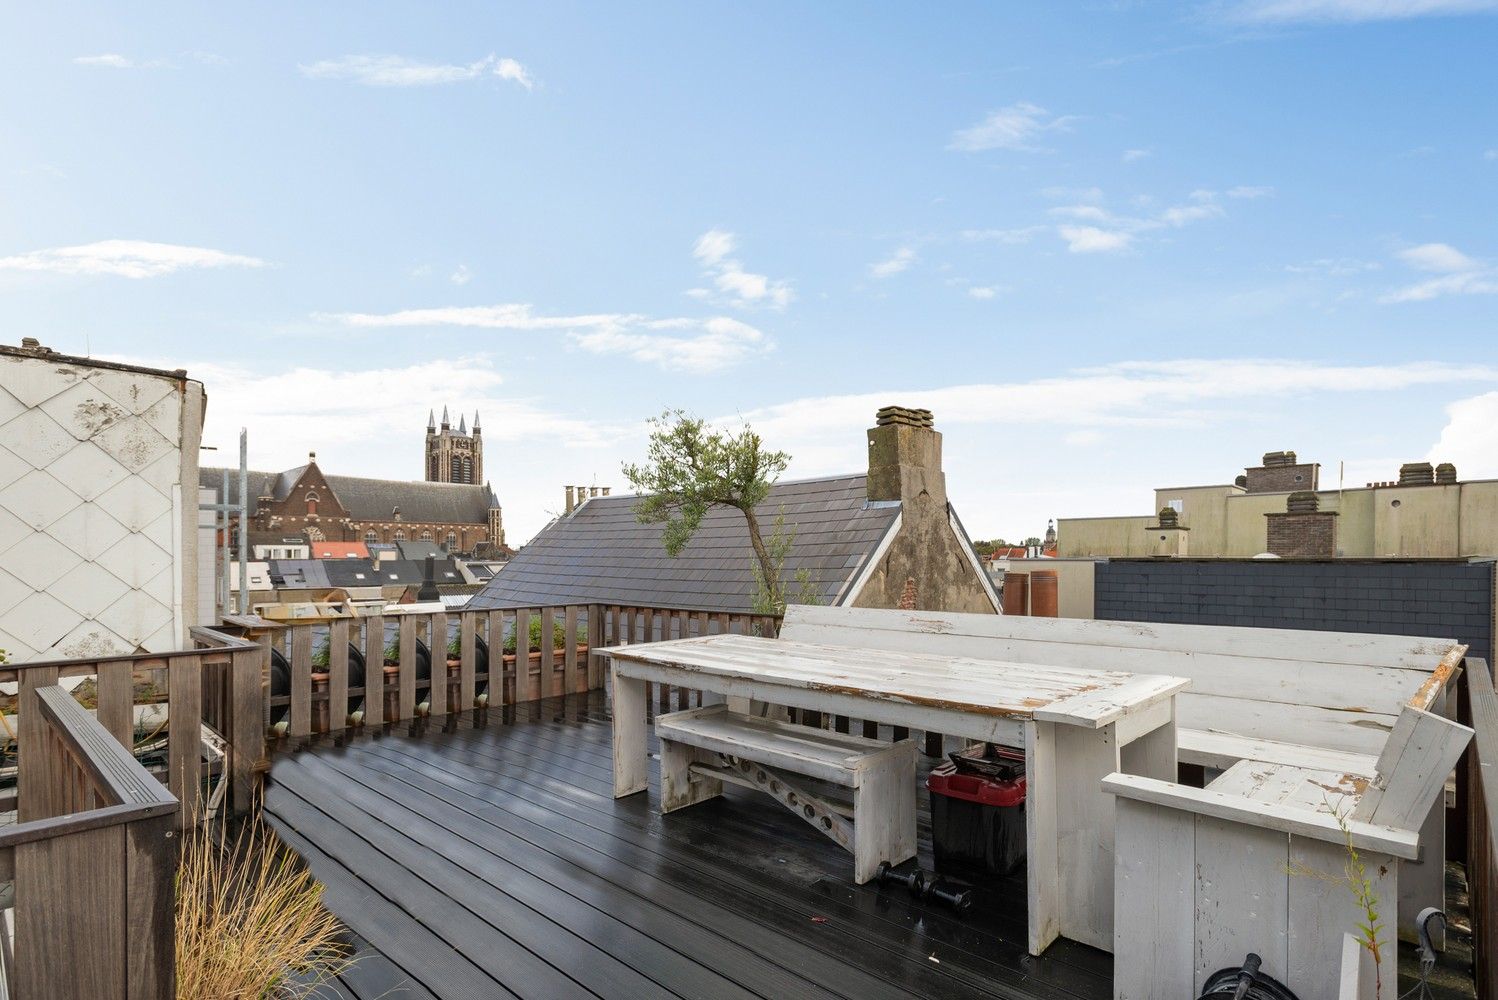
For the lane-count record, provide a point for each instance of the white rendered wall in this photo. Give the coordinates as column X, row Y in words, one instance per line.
column 97, row 549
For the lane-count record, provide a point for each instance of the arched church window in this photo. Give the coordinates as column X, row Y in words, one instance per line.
column 371, row 538
column 452, row 541
column 426, row 536
column 400, row 536
column 311, row 504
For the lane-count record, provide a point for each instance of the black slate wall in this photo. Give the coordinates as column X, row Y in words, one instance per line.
column 1434, row 598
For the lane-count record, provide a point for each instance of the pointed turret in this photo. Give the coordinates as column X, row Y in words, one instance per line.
column 476, row 428
column 463, row 423
column 445, row 423
column 431, row 421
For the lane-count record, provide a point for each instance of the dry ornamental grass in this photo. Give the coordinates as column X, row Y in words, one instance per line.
column 250, row 920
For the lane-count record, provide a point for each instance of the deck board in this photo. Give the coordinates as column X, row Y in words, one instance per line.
column 489, row 858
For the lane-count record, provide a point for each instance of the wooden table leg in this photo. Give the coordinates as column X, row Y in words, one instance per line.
column 1041, row 873
column 1153, row 754
column 631, row 763
column 1084, row 832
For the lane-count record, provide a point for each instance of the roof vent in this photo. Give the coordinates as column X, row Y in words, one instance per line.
column 1417, row 474
column 1445, row 473
column 901, row 415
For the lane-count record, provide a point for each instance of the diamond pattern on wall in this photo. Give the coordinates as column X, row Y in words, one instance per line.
column 38, row 499
column 89, row 460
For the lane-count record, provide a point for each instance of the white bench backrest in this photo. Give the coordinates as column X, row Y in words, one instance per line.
column 1412, row 770
column 1338, row 690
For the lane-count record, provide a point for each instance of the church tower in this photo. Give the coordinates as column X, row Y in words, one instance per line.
column 454, row 456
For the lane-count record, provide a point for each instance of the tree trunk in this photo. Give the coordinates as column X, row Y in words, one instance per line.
column 766, row 564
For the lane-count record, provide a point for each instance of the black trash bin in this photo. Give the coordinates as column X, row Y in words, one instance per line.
column 978, row 812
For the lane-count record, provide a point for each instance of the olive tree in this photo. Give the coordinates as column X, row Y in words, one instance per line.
column 691, row 467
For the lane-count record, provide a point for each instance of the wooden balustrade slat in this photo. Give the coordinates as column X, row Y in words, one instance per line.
column 467, row 658
column 437, row 641
column 246, row 735
column 722, row 619
column 570, row 680
column 337, row 674
column 548, row 665
column 525, row 689
column 614, row 625
column 116, row 695
column 38, row 769
column 184, row 744
column 299, row 722
column 496, row 643
column 374, row 670
column 597, row 614
column 405, row 705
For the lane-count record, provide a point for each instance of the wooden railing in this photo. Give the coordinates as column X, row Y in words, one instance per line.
column 223, row 665
column 419, row 664
column 1481, row 712
column 93, row 866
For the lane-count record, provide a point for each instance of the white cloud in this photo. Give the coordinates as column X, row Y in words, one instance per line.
column 1458, row 274
column 899, row 261
column 1437, row 257
column 1012, row 236
column 1290, row 11
column 1491, row 154
column 1091, row 239
column 113, row 60
column 1249, row 191
column 461, row 276
column 1135, row 155
column 1181, row 215
column 740, row 287
column 1470, row 438
column 1091, row 195
column 399, row 71
column 1335, row 267
column 1013, row 127
column 983, row 291
column 693, row 345
column 126, row 259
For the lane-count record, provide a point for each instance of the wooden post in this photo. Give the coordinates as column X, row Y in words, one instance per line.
column 596, row 614
column 571, row 683
column 150, row 920
column 184, row 734
column 467, row 656
column 337, row 674
column 374, row 670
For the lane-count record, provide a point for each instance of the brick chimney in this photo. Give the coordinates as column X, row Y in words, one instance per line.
column 924, row 566
column 905, row 457
column 1281, row 472
column 1302, row 530
column 571, row 503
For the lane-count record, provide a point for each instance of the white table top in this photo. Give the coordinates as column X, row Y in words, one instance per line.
column 1074, row 696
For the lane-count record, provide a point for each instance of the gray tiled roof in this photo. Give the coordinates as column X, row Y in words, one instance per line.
column 371, row 499
column 603, row 554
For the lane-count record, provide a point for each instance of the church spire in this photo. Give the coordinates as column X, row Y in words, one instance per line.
column 476, row 427
column 431, row 421
column 445, row 424
column 462, row 423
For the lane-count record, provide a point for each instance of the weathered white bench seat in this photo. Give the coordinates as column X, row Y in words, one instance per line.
column 1222, row 750
column 703, row 747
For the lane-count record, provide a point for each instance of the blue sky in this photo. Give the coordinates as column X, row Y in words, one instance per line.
column 1111, row 245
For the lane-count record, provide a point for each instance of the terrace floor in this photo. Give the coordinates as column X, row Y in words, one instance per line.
column 488, row 858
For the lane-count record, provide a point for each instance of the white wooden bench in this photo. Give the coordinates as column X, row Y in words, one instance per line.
column 1255, row 863
column 703, row 747
column 1323, row 700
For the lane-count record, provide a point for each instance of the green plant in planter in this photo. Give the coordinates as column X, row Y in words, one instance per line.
column 558, row 636
column 320, row 655
column 392, row 653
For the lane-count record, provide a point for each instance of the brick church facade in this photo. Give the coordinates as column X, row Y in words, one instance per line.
column 451, row 509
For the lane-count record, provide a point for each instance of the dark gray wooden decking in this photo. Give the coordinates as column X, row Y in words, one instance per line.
column 490, row 859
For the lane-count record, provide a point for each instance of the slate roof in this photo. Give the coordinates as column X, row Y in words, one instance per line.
column 298, row 573
column 370, row 499
column 602, row 554
column 351, row 573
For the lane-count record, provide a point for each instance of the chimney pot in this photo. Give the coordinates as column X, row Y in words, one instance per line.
column 606, row 490
column 1445, row 473
column 1302, row 502
column 1416, row 474
column 569, row 499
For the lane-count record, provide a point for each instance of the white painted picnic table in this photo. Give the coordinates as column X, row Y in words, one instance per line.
column 1076, row 725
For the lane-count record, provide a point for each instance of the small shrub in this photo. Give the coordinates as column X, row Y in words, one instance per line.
column 250, row 921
